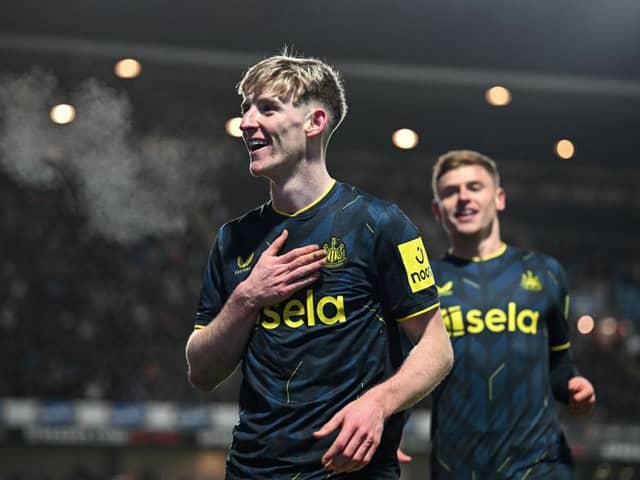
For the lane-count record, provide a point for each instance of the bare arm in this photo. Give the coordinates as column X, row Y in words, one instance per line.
column 361, row 422
column 214, row 351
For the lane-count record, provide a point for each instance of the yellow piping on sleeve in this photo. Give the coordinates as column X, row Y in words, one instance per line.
column 428, row 309
column 558, row 348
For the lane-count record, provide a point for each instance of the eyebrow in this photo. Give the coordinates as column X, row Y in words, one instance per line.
column 263, row 97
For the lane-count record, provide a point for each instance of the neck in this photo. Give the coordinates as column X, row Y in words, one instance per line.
column 297, row 191
column 481, row 245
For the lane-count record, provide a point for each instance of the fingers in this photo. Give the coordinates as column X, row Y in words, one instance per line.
column 278, row 243
column 298, row 270
column 356, row 443
column 582, row 394
column 287, row 289
column 330, row 426
column 403, row 457
column 583, row 397
column 276, row 277
column 350, row 452
column 301, row 255
column 332, row 458
column 582, row 391
column 362, row 455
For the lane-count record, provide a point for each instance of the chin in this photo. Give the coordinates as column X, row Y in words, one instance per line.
column 467, row 230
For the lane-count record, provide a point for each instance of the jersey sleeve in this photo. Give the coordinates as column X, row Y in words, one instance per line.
column 211, row 297
column 405, row 280
column 561, row 366
column 558, row 321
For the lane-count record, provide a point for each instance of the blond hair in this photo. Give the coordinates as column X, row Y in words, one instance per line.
column 303, row 78
column 461, row 158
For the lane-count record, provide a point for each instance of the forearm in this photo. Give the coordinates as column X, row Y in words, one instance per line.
column 214, row 352
column 424, row 368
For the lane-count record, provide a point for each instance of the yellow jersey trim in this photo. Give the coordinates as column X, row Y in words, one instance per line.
column 428, row 309
column 491, row 256
column 198, row 327
column 311, row 205
column 558, row 348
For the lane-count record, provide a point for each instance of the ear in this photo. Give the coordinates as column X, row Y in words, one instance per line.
column 435, row 208
column 501, row 199
column 316, row 122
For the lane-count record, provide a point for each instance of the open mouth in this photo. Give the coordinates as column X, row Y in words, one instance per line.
column 465, row 213
column 256, row 144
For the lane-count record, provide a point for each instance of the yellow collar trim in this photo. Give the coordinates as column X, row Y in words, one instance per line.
column 496, row 254
column 311, row 205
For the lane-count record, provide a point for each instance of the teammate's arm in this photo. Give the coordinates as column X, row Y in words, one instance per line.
column 361, row 422
column 561, row 370
column 567, row 385
column 214, row 351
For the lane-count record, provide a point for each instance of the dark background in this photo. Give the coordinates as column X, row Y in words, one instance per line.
column 107, row 222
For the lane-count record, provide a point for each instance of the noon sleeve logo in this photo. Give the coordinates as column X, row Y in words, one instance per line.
column 416, row 264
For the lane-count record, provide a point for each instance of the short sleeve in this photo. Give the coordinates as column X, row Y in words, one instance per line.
column 211, row 297
column 405, row 280
column 558, row 320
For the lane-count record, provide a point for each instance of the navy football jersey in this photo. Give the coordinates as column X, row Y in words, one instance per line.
column 328, row 343
column 494, row 416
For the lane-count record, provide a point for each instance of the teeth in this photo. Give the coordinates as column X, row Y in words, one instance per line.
column 257, row 143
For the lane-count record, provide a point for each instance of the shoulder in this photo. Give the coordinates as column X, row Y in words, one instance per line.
column 542, row 264
column 242, row 224
column 379, row 214
column 351, row 192
column 537, row 259
column 383, row 210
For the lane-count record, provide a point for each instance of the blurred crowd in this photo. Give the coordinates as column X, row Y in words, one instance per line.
column 84, row 317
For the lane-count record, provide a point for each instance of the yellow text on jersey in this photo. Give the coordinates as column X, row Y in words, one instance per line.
column 295, row 314
column 495, row 320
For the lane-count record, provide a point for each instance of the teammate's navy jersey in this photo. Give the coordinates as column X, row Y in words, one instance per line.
column 325, row 345
column 494, row 416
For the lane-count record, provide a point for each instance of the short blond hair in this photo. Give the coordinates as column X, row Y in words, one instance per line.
column 461, row 158
column 304, row 78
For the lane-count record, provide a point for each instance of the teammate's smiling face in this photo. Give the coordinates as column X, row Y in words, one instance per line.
column 274, row 132
column 468, row 201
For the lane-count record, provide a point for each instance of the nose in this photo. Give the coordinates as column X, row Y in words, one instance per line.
column 463, row 194
column 248, row 120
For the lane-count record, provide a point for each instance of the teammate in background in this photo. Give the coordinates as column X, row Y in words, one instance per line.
column 506, row 312
column 309, row 291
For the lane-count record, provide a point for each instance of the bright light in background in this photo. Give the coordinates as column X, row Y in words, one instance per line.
column 405, row 138
column 127, row 68
column 565, row 149
column 62, row 114
column 498, row 96
column 233, row 127
column 585, row 324
column 608, row 326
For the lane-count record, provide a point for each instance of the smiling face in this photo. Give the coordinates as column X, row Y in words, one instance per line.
column 468, row 201
column 275, row 133
column 289, row 104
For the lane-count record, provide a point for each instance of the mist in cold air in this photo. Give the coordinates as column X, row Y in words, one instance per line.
column 128, row 186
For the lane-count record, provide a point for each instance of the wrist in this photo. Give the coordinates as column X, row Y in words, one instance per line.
column 244, row 301
column 382, row 397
